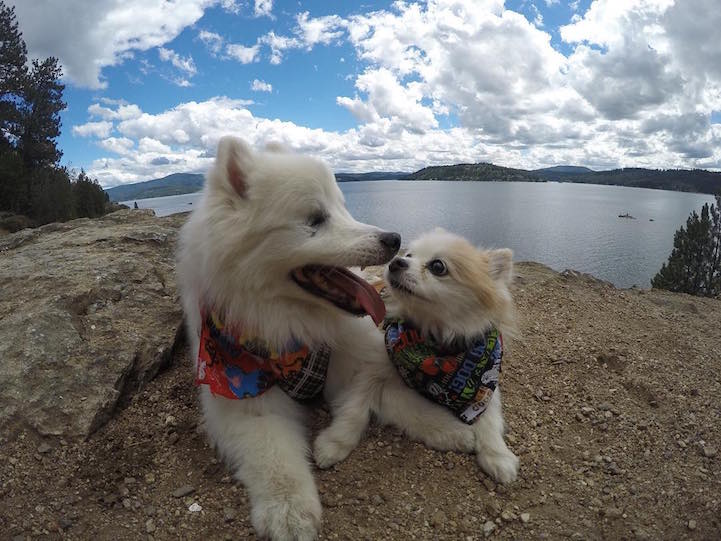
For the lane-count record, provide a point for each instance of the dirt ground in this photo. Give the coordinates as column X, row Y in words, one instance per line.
column 612, row 400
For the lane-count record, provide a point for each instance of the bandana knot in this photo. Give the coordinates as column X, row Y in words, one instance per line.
column 460, row 378
column 237, row 365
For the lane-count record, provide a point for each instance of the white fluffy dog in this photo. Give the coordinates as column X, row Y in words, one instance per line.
column 266, row 249
column 454, row 293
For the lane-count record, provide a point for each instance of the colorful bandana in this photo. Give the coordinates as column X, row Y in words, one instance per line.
column 462, row 380
column 236, row 365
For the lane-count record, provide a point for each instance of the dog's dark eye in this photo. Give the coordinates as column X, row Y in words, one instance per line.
column 437, row 267
column 317, row 219
column 409, row 255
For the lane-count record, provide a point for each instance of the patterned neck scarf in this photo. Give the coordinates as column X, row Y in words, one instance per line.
column 460, row 378
column 237, row 365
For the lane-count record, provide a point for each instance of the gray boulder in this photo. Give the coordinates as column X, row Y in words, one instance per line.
column 88, row 314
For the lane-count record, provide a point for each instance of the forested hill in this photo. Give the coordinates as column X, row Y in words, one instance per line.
column 180, row 183
column 684, row 180
column 175, row 184
column 473, row 171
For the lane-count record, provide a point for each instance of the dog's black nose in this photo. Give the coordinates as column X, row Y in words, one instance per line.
column 392, row 241
column 398, row 264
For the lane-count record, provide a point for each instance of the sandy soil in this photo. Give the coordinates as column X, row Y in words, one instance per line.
column 612, row 403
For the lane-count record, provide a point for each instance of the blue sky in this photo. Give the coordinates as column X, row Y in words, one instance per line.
column 152, row 85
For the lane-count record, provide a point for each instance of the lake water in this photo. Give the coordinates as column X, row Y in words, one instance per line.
column 565, row 226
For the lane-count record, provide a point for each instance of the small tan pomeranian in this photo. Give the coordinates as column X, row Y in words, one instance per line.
column 448, row 307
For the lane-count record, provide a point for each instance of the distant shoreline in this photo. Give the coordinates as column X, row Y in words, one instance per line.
column 681, row 180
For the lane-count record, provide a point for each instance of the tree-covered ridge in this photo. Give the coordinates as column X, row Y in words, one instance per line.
column 474, row 171
column 682, row 180
column 34, row 189
column 175, row 184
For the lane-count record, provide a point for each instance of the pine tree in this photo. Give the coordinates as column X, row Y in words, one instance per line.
column 90, row 199
column 694, row 265
column 13, row 57
column 40, row 114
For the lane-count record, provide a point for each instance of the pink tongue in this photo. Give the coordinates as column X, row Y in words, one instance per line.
column 364, row 293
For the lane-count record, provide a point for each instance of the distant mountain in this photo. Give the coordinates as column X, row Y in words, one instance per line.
column 180, row 183
column 381, row 175
column 175, row 184
column 473, row 171
column 682, row 180
column 561, row 170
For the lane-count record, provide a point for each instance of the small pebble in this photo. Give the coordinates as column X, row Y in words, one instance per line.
column 488, row 528
column 150, row 525
column 525, row 517
column 44, row 448
column 709, row 451
column 229, row 514
column 438, row 518
column 691, row 524
column 183, row 491
column 195, row 507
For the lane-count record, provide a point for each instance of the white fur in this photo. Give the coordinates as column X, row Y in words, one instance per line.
column 249, row 230
column 449, row 310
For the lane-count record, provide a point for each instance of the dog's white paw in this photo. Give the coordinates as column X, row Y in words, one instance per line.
column 329, row 449
column 502, row 466
column 296, row 518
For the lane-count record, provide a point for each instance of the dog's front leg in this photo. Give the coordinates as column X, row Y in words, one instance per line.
column 492, row 453
column 422, row 419
column 264, row 441
column 351, row 414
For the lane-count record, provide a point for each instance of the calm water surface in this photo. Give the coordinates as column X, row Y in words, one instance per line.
column 565, row 226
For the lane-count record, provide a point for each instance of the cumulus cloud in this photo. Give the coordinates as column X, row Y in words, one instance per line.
column 100, row 129
column 241, row 53
column 261, row 86
column 187, row 135
column 212, row 40
column 184, row 64
column 635, row 85
column 263, row 8
column 88, row 36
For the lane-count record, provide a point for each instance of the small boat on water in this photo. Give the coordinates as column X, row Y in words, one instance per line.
column 627, row 215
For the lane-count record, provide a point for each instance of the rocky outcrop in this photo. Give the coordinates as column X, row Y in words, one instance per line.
column 89, row 314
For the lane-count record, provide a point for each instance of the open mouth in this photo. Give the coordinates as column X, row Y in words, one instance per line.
column 342, row 288
column 395, row 284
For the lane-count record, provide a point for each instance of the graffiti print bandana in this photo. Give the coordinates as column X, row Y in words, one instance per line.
column 461, row 379
column 236, row 365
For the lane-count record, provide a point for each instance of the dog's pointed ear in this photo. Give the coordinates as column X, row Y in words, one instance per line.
column 500, row 264
column 233, row 162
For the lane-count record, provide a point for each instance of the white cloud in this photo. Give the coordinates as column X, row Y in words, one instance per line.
column 324, row 30
column 184, row 64
column 241, row 53
column 117, row 145
column 123, row 111
column 231, row 6
column 263, row 8
column 387, row 98
column 278, row 44
column 88, row 36
column 213, row 41
column 261, row 86
column 636, row 89
column 98, row 129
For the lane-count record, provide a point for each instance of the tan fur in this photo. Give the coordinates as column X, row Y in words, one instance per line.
column 465, row 302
